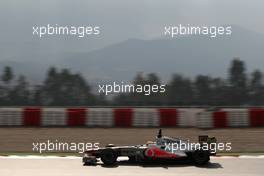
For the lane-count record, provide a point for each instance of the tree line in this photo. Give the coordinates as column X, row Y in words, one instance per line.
column 64, row 88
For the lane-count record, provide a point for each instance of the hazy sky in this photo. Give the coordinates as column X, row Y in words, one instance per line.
column 119, row 20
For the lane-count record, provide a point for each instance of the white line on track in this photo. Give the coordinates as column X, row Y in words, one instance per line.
column 249, row 156
column 38, row 157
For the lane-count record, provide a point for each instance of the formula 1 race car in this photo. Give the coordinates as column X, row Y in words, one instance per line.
column 164, row 148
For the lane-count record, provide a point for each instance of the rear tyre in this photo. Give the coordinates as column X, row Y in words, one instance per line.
column 108, row 156
column 201, row 157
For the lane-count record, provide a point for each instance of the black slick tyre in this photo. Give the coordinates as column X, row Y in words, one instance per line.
column 201, row 157
column 108, row 156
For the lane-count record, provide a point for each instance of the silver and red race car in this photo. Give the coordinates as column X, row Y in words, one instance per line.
column 164, row 148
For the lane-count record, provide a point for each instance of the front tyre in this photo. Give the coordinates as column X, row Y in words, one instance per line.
column 108, row 156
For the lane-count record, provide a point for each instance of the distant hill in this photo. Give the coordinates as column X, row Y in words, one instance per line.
column 187, row 55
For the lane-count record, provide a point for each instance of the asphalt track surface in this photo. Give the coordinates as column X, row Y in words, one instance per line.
column 72, row 166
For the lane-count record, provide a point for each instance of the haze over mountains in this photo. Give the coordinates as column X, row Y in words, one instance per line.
column 190, row 56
